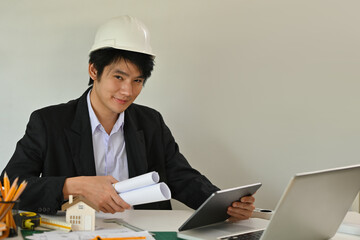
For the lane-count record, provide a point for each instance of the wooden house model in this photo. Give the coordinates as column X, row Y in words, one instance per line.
column 80, row 213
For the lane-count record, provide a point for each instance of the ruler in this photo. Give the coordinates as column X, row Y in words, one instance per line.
column 55, row 224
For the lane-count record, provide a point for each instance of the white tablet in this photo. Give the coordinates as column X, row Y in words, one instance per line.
column 214, row 209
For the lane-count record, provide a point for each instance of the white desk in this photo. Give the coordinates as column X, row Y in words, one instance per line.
column 170, row 220
column 151, row 220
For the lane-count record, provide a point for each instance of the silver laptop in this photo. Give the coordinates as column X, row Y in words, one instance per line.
column 312, row 207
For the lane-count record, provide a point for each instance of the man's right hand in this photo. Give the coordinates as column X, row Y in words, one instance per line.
column 98, row 190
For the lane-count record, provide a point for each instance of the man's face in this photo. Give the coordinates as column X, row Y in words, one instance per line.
column 118, row 86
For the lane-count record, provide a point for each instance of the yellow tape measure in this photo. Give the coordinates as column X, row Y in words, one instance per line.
column 27, row 220
column 31, row 220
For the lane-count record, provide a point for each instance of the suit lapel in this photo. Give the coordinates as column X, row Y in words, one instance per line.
column 135, row 145
column 80, row 140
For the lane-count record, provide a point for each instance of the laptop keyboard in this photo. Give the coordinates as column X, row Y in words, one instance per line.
column 245, row 236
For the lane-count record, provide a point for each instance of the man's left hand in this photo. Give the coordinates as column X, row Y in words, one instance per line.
column 242, row 209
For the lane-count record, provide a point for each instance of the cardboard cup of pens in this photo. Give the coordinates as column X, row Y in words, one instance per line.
column 7, row 224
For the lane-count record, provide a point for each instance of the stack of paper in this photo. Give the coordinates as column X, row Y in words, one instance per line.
column 87, row 235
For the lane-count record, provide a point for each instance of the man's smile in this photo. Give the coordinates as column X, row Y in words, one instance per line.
column 121, row 101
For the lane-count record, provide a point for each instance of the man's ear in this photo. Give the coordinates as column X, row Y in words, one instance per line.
column 92, row 71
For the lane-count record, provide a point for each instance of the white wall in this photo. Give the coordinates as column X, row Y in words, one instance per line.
column 253, row 90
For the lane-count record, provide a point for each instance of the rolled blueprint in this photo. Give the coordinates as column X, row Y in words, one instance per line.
column 137, row 182
column 153, row 193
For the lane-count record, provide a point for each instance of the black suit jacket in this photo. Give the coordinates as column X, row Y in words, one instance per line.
column 58, row 144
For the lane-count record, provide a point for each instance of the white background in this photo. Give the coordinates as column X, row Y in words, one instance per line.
column 253, row 90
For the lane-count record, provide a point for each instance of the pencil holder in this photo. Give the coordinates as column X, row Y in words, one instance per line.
column 7, row 224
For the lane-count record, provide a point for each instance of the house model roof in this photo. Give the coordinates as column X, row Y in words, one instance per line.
column 77, row 200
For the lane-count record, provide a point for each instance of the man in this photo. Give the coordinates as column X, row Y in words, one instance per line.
column 84, row 146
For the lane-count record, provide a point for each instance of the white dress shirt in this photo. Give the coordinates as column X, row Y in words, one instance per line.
column 109, row 150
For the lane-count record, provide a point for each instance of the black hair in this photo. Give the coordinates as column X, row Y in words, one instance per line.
column 106, row 56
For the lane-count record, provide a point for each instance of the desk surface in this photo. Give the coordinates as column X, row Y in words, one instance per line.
column 151, row 220
column 171, row 220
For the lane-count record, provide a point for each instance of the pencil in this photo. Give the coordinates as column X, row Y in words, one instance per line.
column 2, row 191
column 9, row 195
column 6, row 184
column 12, row 221
column 11, row 192
column 20, row 190
column 8, row 198
column 4, row 208
column 117, row 238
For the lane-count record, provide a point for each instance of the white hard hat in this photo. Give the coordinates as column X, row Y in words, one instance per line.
column 126, row 33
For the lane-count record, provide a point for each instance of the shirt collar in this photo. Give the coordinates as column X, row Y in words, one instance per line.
column 95, row 123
